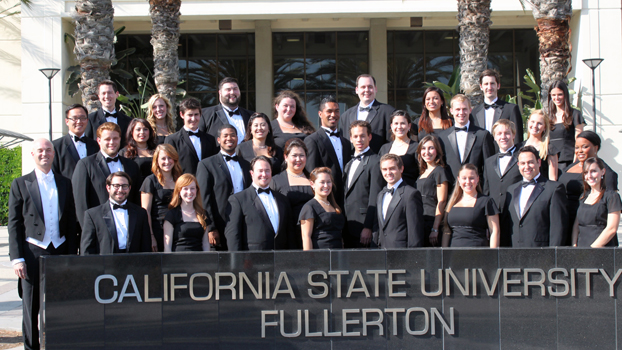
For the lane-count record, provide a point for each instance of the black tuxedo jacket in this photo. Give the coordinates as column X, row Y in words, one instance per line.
column 544, row 221
column 380, row 119
column 495, row 183
column 89, row 182
column 67, row 157
column 214, row 117
column 188, row 158
column 97, row 118
column 403, row 225
column 99, row 233
column 248, row 225
column 361, row 194
column 479, row 146
column 216, row 186
column 26, row 216
column 321, row 153
column 505, row 110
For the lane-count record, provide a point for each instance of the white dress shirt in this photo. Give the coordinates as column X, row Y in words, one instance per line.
column 362, row 115
column 80, row 146
column 525, row 193
column 386, row 199
column 196, row 141
column 355, row 165
column 337, row 146
column 505, row 160
column 113, row 166
column 269, row 203
column 49, row 203
column 121, row 220
column 111, row 119
column 489, row 115
column 461, row 138
column 237, row 122
column 235, row 170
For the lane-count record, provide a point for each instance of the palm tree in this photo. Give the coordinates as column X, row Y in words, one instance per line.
column 165, row 39
column 94, row 49
column 474, row 23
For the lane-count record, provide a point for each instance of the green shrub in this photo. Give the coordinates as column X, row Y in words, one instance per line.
column 10, row 168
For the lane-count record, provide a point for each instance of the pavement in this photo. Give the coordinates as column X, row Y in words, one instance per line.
column 10, row 303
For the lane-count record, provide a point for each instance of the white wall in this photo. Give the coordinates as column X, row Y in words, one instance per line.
column 10, row 66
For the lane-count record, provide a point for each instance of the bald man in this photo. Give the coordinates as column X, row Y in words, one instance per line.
column 42, row 219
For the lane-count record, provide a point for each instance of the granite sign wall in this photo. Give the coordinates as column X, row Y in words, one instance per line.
column 426, row 299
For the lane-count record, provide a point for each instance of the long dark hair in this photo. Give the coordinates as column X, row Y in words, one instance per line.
column 423, row 166
column 331, row 197
column 567, row 120
column 401, row 113
column 289, row 146
column 457, row 194
column 269, row 138
column 131, row 149
column 425, row 122
column 586, row 187
column 300, row 117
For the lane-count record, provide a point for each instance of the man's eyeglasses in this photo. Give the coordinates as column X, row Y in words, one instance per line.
column 118, row 186
column 78, row 119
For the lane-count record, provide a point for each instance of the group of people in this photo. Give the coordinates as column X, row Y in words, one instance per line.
column 232, row 180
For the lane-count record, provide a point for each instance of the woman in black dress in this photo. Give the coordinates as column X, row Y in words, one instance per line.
column 185, row 225
column 290, row 119
column 434, row 115
column 259, row 141
column 598, row 216
column 567, row 123
column 321, row 220
column 294, row 181
column 538, row 136
column 157, row 191
column 433, row 185
column 140, row 145
column 160, row 116
column 402, row 145
column 470, row 214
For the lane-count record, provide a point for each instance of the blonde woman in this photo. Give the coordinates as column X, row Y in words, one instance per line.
column 160, row 116
column 538, row 131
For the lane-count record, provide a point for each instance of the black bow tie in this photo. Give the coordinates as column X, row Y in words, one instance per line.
column 263, row 190
column 464, row 128
column 506, row 154
column 359, row 157
column 108, row 114
column 228, row 158
column 527, row 183
column 112, row 160
column 231, row 113
column 190, row 133
column 365, row 109
column 79, row 139
column 494, row 105
column 116, row 206
column 390, row 191
column 333, row 133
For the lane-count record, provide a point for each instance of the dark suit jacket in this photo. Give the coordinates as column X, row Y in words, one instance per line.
column 67, row 157
column 544, row 221
column 214, row 117
column 403, row 226
column 495, row 183
column 248, row 224
column 97, row 118
column 26, row 215
column 505, row 110
column 380, row 119
column 479, row 146
column 362, row 193
column 89, row 182
column 216, row 186
column 321, row 153
column 188, row 158
column 99, row 233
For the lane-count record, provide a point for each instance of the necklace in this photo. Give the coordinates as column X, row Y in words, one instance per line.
column 296, row 175
column 188, row 213
column 260, row 147
column 326, row 203
column 287, row 125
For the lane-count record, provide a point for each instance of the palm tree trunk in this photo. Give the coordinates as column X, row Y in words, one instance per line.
column 94, row 47
column 474, row 23
column 165, row 39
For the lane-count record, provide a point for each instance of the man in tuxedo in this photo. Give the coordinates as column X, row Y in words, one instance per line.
column 42, row 221
column 89, row 178
column 362, row 181
column 74, row 146
column 116, row 226
column 327, row 148
column 107, row 92
column 399, row 208
column 227, row 111
column 375, row 113
column 535, row 208
column 464, row 142
column 259, row 218
column 219, row 177
column 191, row 144
column 501, row 170
column 486, row 114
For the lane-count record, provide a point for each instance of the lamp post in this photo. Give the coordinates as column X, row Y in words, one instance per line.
column 593, row 63
column 50, row 73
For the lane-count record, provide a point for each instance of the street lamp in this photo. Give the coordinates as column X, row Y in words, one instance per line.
column 50, row 73
column 593, row 63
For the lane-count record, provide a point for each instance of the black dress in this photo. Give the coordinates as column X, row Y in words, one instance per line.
column 159, row 206
column 421, row 134
column 160, row 139
column 298, row 196
column 144, row 164
column 593, row 219
column 187, row 236
column 411, row 164
column 563, row 139
column 469, row 225
column 245, row 150
column 327, row 226
column 573, row 182
column 427, row 186
column 280, row 137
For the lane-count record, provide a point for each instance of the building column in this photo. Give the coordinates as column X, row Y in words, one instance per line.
column 378, row 56
column 264, row 78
